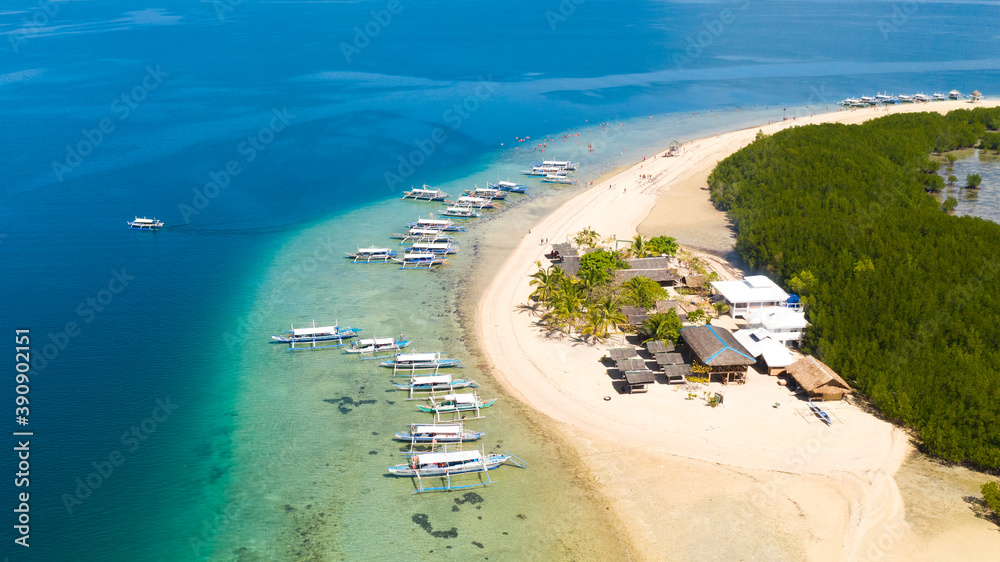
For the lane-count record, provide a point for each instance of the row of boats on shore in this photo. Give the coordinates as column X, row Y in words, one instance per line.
column 427, row 242
column 886, row 98
column 435, row 449
column 553, row 171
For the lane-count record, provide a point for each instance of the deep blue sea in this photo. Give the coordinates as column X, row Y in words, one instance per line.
column 266, row 133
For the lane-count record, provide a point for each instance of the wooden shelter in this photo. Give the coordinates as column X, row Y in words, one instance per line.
column 718, row 350
column 631, row 364
column 636, row 381
column 976, row 95
column 636, row 315
column 659, row 346
column 657, row 269
column 817, row 379
column 619, row 353
column 676, row 374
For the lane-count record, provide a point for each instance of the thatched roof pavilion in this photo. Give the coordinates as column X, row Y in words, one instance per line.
column 717, row 349
column 659, row 346
column 817, row 379
column 636, row 381
column 619, row 353
column 656, row 268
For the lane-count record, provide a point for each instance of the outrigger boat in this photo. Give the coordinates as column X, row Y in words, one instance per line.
column 509, row 186
column 415, row 235
column 474, row 202
column 487, row 193
column 444, row 225
column 457, row 404
column 372, row 255
column 378, row 348
column 954, row 95
column 425, row 193
column 542, row 170
column 904, row 98
column 561, row 164
column 432, row 434
column 414, row 260
column 435, row 383
column 938, row 97
column 145, row 224
column 558, row 178
column 921, row 97
column 308, row 338
column 819, row 413
column 421, row 361
column 450, row 463
column 439, row 248
column 461, row 213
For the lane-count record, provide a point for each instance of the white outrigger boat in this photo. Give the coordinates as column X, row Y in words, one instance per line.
column 561, row 164
column 443, row 225
column 471, row 202
column 905, row 98
column 451, row 463
column 461, row 213
column 954, row 95
column 435, row 383
column 415, row 235
column 439, row 248
column 542, row 170
column 419, row 260
column 378, row 348
column 420, row 361
column 433, row 434
column 558, row 178
column 938, row 97
column 372, row 255
column 487, row 193
column 309, row 338
column 921, row 97
column 458, row 405
column 425, row 193
column 510, row 186
column 885, row 98
column 145, row 224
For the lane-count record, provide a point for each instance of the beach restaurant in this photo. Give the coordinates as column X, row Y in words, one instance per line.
column 749, row 294
column 718, row 350
column 817, row 379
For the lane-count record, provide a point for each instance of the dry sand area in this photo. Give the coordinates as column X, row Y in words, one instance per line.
column 755, row 479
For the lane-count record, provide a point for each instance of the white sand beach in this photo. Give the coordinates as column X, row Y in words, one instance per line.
column 754, row 479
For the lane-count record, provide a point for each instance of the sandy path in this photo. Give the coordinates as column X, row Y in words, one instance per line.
column 803, row 489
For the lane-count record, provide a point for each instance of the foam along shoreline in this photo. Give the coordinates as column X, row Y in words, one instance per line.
column 825, row 493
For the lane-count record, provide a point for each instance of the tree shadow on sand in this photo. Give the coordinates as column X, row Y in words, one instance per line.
column 981, row 510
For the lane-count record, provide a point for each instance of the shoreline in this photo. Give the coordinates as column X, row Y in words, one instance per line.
column 845, row 487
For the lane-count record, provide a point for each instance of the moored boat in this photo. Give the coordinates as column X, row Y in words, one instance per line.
column 558, row 178
column 561, row 164
column 312, row 337
column 434, row 383
column 425, row 193
column 419, row 260
column 415, row 235
column 487, row 193
column 145, row 224
column 439, row 248
column 446, row 464
column 457, row 404
column 460, row 213
column 938, row 97
column 377, row 348
column 443, row 225
column 372, row 255
column 954, row 95
column 474, row 202
column 415, row 361
column 438, row 433
column 510, row 186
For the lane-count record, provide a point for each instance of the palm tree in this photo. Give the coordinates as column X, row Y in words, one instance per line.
column 566, row 304
column 545, row 281
column 604, row 315
column 638, row 248
column 662, row 326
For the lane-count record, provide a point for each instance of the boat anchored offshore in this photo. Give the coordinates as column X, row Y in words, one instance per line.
column 451, row 463
column 561, row 164
column 435, row 383
column 444, row 225
column 419, row 260
column 425, row 193
column 432, row 434
column 439, row 248
column 487, row 193
column 558, row 178
column 378, row 348
column 145, row 224
column 420, row 361
column 954, row 95
column 510, row 186
column 461, row 213
column 372, row 255
column 310, row 338
column 415, row 235
column 458, row 405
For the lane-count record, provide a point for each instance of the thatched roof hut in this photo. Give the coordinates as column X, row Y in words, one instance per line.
column 976, row 95
column 717, row 349
column 817, row 379
column 656, row 269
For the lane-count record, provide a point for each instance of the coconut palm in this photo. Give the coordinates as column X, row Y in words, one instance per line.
column 566, row 305
column 662, row 326
column 546, row 282
column 604, row 315
column 638, row 248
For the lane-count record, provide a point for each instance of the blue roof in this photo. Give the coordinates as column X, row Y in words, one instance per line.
column 722, row 342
